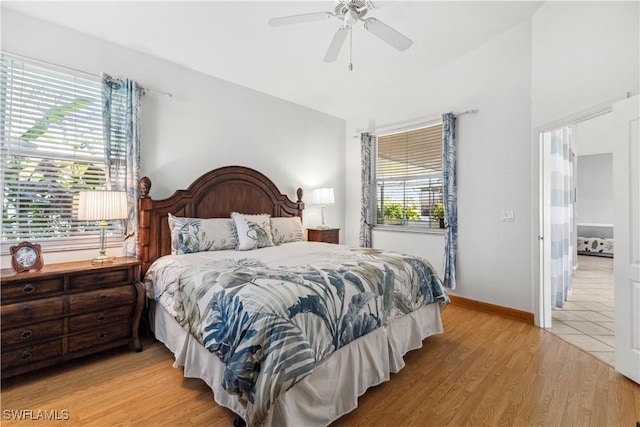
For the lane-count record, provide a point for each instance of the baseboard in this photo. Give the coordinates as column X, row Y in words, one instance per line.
column 492, row 308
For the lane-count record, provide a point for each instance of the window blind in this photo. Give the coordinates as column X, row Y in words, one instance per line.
column 409, row 177
column 52, row 148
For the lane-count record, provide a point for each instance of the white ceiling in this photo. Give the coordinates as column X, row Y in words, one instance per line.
column 231, row 40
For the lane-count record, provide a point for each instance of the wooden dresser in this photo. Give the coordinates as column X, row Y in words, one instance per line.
column 326, row 235
column 68, row 310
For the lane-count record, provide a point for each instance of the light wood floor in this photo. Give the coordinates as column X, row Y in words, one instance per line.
column 484, row 370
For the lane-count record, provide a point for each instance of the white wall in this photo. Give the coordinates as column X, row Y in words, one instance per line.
column 494, row 258
column 594, row 163
column 584, row 54
column 428, row 246
column 593, row 136
column 594, row 184
column 207, row 124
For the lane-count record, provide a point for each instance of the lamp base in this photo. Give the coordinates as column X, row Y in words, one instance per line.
column 323, row 227
column 101, row 259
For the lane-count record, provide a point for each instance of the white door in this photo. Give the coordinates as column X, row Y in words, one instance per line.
column 626, row 228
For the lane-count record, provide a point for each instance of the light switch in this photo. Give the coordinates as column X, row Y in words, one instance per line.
column 507, row 216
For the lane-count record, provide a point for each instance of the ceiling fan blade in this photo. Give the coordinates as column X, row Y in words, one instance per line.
column 336, row 44
column 299, row 19
column 387, row 34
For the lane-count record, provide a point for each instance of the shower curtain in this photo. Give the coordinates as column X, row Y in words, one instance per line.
column 561, row 218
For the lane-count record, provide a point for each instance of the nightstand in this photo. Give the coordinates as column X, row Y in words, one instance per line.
column 326, row 235
column 68, row 310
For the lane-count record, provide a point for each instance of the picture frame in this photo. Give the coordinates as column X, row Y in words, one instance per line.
column 26, row 256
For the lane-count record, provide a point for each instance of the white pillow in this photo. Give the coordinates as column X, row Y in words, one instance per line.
column 189, row 235
column 286, row 230
column 253, row 231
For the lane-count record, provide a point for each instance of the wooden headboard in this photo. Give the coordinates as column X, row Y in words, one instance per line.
column 213, row 195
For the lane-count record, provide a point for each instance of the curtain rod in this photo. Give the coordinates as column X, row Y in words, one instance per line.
column 397, row 128
column 86, row 73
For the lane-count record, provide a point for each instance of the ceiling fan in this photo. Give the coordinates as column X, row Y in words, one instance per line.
column 349, row 12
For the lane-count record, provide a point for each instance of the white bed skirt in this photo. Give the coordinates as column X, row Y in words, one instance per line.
column 336, row 383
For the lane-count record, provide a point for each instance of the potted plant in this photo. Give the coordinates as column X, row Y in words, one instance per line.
column 437, row 212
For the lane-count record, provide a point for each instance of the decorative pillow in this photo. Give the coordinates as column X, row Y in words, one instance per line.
column 253, row 231
column 286, row 230
column 189, row 235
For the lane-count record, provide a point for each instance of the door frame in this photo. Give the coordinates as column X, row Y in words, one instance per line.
column 541, row 245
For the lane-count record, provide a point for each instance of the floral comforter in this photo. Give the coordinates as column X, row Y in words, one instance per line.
column 271, row 318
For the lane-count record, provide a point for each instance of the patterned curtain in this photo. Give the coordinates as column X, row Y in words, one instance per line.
column 368, row 146
column 561, row 215
column 450, row 197
column 121, row 121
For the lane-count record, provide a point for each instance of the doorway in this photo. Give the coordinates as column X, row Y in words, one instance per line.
column 577, row 207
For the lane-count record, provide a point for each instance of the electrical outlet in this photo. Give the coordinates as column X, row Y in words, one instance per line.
column 507, row 216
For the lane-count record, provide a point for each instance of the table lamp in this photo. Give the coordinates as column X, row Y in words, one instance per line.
column 103, row 206
column 323, row 197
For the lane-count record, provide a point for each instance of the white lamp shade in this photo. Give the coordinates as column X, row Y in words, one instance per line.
column 323, row 196
column 102, row 205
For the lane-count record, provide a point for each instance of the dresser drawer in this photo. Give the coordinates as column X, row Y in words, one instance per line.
column 33, row 353
column 31, row 311
column 99, row 336
column 29, row 289
column 67, row 310
column 326, row 235
column 98, row 278
column 101, row 299
column 31, row 333
column 330, row 236
column 97, row 319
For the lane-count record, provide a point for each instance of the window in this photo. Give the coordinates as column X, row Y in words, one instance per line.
column 52, row 147
column 409, row 178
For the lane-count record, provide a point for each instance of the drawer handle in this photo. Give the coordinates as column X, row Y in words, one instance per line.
column 102, row 335
column 26, row 355
column 102, row 297
column 99, row 277
column 27, row 334
column 101, row 317
column 27, row 309
column 28, row 288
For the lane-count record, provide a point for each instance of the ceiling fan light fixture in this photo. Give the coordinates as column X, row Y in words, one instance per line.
column 344, row 6
column 350, row 18
column 349, row 12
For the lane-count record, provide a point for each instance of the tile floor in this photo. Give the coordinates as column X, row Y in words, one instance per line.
column 587, row 319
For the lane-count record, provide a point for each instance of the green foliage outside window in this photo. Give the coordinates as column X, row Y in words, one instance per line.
column 397, row 211
column 437, row 211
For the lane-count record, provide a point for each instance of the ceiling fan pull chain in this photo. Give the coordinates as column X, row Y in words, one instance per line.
column 350, row 49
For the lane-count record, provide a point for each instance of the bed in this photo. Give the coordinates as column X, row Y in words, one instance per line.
column 595, row 240
column 284, row 331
